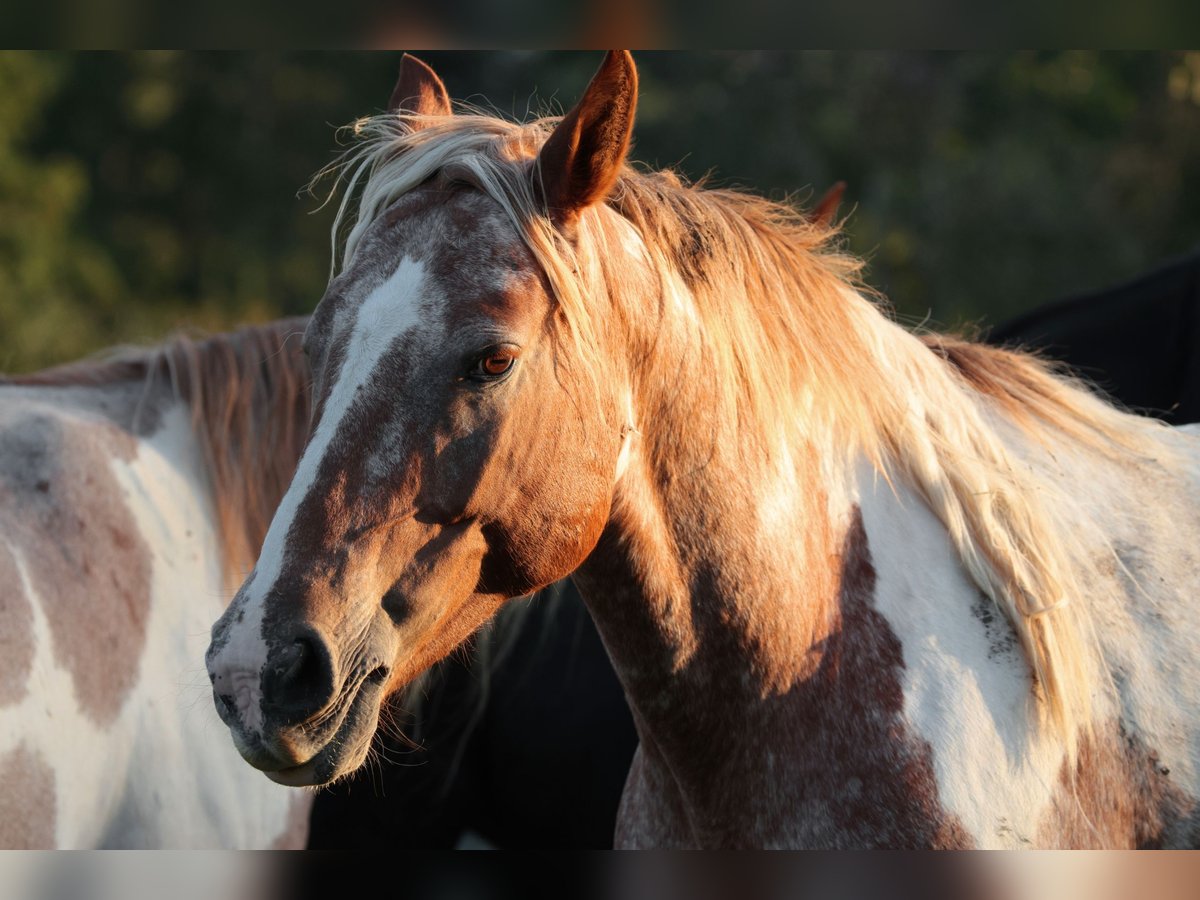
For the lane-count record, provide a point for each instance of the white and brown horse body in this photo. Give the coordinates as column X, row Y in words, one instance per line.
column 111, row 570
column 912, row 725
column 964, row 682
column 861, row 589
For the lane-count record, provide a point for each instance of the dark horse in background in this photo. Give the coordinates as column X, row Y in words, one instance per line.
column 527, row 743
column 1139, row 341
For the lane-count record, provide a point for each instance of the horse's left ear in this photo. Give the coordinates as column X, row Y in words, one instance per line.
column 418, row 90
column 581, row 160
column 827, row 207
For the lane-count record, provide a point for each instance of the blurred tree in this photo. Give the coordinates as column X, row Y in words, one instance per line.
column 144, row 191
column 982, row 184
column 46, row 262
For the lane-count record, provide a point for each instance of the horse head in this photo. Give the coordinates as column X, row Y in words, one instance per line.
column 461, row 454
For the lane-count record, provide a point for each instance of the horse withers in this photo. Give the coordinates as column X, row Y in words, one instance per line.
column 861, row 588
column 133, row 491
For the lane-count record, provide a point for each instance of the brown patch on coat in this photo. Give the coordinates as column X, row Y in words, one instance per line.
column 827, row 763
column 28, row 809
column 16, row 631
column 860, row 679
column 1120, row 796
column 295, row 834
column 87, row 561
column 850, row 751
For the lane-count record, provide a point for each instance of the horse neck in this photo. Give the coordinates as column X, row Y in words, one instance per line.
column 720, row 563
column 719, row 573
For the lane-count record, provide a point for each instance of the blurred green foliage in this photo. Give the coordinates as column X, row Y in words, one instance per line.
column 140, row 192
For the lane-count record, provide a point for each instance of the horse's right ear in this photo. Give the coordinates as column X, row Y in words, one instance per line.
column 581, row 160
column 418, row 90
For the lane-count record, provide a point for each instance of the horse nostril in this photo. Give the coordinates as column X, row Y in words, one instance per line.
column 289, row 665
column 299, row 679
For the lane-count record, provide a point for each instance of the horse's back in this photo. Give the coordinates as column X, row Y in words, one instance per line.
column 1147, row 752
column 1136, row 781
column 109, row 574
column 1150, row 640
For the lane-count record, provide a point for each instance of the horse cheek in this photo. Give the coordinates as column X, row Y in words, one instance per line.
column 547, row 547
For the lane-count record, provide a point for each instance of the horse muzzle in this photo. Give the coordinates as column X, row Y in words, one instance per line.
column 298, row 718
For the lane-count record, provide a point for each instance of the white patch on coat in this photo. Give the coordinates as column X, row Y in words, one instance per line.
column 778, row 503
column 996, row 770
column 1152, row 639
column 391, row 310
column 974, row 705
column 682, row 302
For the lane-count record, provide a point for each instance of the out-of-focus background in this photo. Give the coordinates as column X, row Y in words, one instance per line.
column 145, row 191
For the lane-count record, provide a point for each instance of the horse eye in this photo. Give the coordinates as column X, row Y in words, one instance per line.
column 497, row 364
column 494, row 364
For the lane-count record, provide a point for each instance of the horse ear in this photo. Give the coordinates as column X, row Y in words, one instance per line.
column 418, row 90
column 580, row 161
column 823, row 213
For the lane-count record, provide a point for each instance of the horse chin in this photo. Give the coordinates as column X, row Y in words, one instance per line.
column 344, row 751
column 325, row 768
column 298, row 776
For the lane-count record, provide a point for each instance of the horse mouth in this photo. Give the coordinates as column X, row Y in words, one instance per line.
column 344, row 747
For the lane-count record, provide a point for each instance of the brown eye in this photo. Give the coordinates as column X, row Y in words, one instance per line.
column 496, row 363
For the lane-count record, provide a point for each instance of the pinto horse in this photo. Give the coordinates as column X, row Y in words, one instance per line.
column 133, row 494
column 861, row 589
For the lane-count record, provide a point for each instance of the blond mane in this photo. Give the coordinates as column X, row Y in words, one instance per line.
column 248, row 393
column 799, row 352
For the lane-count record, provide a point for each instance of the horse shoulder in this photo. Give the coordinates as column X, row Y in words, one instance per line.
column 967, row 691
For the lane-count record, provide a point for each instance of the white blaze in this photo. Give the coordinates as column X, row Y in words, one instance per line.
column 389, row 312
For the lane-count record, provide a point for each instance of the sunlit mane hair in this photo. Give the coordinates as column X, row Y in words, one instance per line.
column 248, row 393
column 799, row 353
